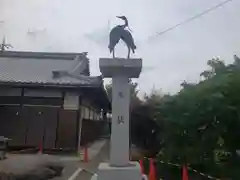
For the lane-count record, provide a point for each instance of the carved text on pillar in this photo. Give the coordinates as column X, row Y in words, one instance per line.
column 120, row 94
column 120, row 120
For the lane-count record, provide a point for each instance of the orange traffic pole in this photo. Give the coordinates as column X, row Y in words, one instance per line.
column 141, row 166
column 85, row 159
column 40, row 148
column 152, row 172
column 184, row 173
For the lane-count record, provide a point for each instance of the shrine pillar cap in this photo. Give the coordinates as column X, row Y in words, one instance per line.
column 111, row 67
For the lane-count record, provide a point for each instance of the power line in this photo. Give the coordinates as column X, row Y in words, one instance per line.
column 191, row 19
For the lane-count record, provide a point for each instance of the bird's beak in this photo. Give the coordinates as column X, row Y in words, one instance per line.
column 119, row 17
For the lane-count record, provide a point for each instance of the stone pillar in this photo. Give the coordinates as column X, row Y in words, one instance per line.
column 119, row 167
column 119, row 154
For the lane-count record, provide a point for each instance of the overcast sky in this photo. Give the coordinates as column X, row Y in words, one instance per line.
column 82, row 25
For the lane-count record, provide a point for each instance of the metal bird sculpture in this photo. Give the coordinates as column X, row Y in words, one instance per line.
column 119, row 32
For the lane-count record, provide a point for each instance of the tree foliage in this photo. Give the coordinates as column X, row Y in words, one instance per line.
column 201, row 122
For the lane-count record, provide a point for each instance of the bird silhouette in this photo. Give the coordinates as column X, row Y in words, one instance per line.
column 119, row 32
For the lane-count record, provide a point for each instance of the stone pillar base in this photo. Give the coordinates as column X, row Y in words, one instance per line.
column 107, row 172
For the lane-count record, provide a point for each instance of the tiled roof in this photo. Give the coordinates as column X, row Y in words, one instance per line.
column 37, row 68
column 41, row 55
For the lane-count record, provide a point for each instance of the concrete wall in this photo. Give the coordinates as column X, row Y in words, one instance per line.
column 71, row 101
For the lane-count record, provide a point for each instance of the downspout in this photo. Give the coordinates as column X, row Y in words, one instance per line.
column 80, row 125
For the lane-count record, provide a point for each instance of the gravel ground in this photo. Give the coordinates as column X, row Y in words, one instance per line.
column 88, row 168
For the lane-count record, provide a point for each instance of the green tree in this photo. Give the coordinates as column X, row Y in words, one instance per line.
column 201, row 121
column 217, row 66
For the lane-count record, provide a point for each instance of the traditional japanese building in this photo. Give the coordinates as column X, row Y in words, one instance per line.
column 50, row 99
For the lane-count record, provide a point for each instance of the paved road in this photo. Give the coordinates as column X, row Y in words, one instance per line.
column 92, row 166
column 85, row 170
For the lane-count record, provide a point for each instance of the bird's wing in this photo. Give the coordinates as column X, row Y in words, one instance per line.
column 114, row 36
column 128, row 39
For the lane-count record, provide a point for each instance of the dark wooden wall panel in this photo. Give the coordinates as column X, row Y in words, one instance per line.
column 42, row 125
column 51, row 115
column 35, row 121
column 12, row 125
column 29, row 126
column 67, row 129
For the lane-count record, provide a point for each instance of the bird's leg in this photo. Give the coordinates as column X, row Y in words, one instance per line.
column 128, row 56
column 113, row 53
